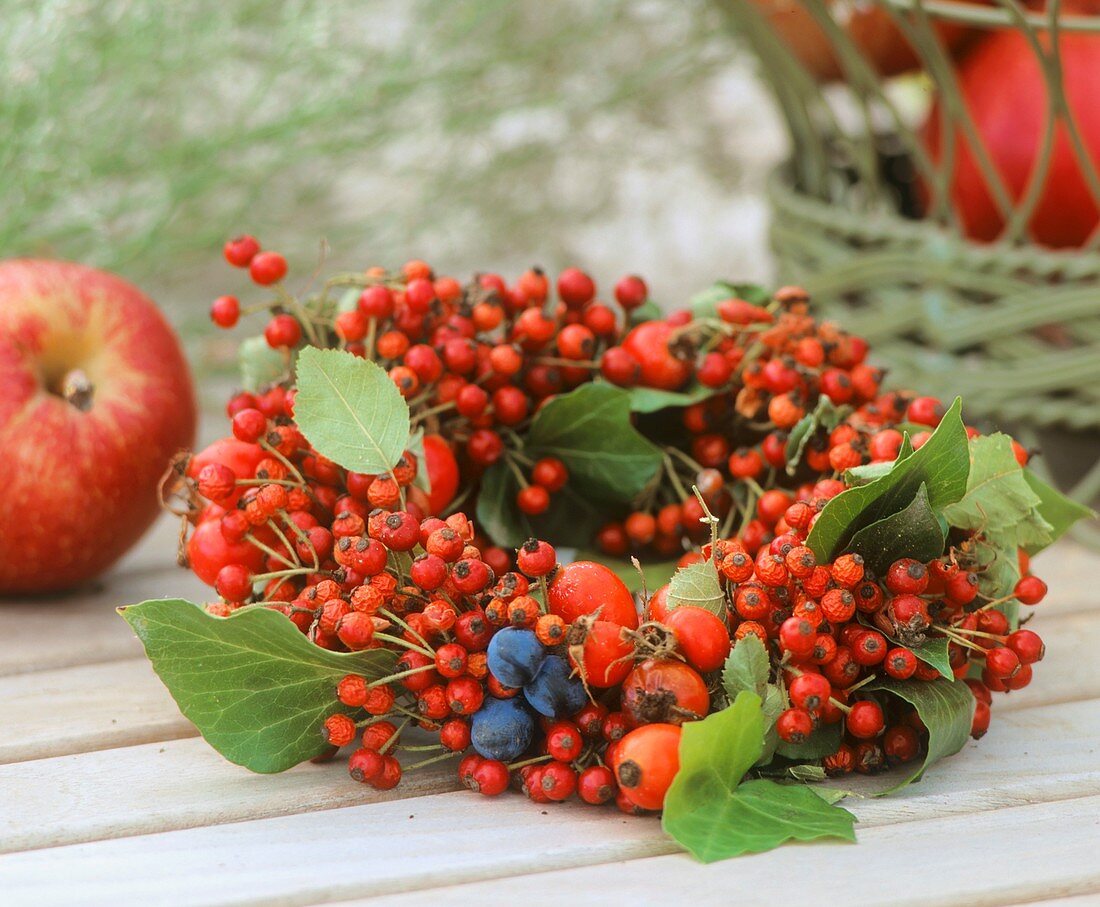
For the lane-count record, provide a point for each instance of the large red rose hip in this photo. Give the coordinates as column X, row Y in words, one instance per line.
column 95, row 397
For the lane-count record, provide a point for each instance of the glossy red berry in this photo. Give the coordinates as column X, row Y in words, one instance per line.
column 225, row 311
column 533, row 500
column 907, row 576
column 550, row 473
column 575, row 288
column 282, row 332
column 701, row 637
column 490, row 777
column 536, row 558
column 267, row 268
column 1030, row 590
column 240, row 250
column 631, row 292
column 810, row 692
column 794, row 725
column 596, row 785
column 865, row 720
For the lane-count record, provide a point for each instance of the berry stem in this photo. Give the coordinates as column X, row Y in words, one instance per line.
column 426, row 762
column 385, row 680
column 400, row 641
column 389, row 615
column 708, row 518
column 270, row 552
column 512, row 766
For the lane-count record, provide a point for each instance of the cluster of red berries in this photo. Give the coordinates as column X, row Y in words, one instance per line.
column 833, row 628
column 474, row 361
column 549, row 678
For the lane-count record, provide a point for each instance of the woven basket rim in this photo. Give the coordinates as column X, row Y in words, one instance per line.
column 881, row 223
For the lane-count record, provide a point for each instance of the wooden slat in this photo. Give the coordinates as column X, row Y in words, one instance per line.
column 176, row 784
column 184, row 783
column 82, row 627
column 92, row 707
column 407, row 846
column 987, row 858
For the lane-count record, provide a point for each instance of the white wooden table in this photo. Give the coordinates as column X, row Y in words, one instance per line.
column 107, row 796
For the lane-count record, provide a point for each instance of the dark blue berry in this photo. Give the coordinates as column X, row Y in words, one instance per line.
column 515, row 656
column 554, row 692
column 502, row 729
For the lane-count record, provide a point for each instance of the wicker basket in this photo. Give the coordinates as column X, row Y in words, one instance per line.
column 1012, row 326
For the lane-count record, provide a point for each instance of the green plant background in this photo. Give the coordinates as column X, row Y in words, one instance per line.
column 477, row 133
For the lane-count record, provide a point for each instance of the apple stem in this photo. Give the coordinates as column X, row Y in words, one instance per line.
column 77, row 389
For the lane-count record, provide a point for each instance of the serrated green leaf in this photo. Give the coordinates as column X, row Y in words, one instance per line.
column 652, row 399
column 656, row 575
column 998, row 568
column 570, row 521
column 589, row 429
column 423, row 481
column 697, row 585
column 747, row 668
column 647, row 311
column 811, row 774
column 946, row 707
column 349, row 300
column 775, row 701
column 912, row 532
column 942, row 465
column 825, row 417
column 1055, row 508
column 999, row 500
column 705, row 303
column 350, row 410
column 254, row 686
column 260, row 365
column 824, row 741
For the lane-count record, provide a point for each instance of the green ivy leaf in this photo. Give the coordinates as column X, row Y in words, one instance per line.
column 912, row 532
column 259, row 364
column 823, row 742
column 697, row 585
column 946, row 707
column 350, row 410
column 862, row 475
column 589, row 430
column 942, row 465
column 1058, row 511
column 652, row 399
column 254, row 686
column 656, row 574
column 570, row 521
column 999, row 500
column 715, row 817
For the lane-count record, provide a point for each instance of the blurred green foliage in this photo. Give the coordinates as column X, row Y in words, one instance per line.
column 139, row 134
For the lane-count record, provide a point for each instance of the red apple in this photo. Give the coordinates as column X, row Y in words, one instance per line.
column 95, row 398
